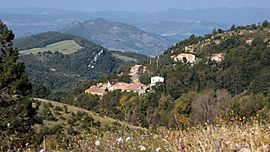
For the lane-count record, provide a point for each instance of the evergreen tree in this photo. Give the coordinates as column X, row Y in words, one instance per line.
column 16, row 112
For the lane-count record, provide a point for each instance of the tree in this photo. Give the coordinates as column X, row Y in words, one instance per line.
column 233, row 28
column 16, row 112
column 182, row 108
column 145, row 79
column 248, row 105
column 265, row 23
column 165, row 107
column 208, row 105
column 40, row 91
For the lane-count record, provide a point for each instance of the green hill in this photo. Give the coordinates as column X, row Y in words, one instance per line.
column 55, row 59
column 43, row 39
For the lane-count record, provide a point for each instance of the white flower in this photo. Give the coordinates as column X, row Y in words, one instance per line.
column 119, row 140
column 97, row 142
column 158, row 149
column 42, row 150
column 128, row 138
column 142, row 148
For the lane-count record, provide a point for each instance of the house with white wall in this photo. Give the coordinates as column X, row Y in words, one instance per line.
column 156, row 79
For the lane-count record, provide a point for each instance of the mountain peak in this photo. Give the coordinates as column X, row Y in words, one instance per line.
column 119, row 36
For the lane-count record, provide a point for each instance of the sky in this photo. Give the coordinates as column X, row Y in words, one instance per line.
column 133, row 5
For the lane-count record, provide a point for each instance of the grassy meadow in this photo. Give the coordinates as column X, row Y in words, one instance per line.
column 65, row 47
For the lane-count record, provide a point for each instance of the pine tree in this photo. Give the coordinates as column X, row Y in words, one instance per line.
column 16, row 112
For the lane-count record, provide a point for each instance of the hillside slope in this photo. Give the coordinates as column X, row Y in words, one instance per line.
column 95, row 116
column 119, row 36
column 236, row 60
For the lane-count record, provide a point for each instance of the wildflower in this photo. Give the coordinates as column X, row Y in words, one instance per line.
column 128, row 138
column 158, row 149
column 143, row 136
column 142, row 148
column 246, row 149
column 97, row 142
column 42, row 150
column 119, row 140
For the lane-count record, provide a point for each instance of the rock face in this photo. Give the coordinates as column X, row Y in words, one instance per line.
column 119, row 36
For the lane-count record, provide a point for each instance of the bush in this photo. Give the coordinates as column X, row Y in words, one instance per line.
column 248, row 105
column 58, row 108
column 46, row 114
column 72, row 131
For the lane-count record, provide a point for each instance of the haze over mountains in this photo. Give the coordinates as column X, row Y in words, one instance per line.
column 34, row 20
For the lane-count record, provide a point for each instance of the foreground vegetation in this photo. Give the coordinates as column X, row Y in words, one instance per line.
column 235, row 136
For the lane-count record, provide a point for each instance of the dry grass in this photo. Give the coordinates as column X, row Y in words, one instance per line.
column 223, row 138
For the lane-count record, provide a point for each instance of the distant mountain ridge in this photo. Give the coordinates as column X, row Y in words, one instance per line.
column 176, row 31
column 25, row 21
column 119, row 36
column 244, row 15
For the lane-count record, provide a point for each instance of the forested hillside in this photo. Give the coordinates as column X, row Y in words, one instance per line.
column 55, row 70
column 230, row 76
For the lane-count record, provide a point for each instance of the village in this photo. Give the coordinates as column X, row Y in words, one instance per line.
column 136, row 86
